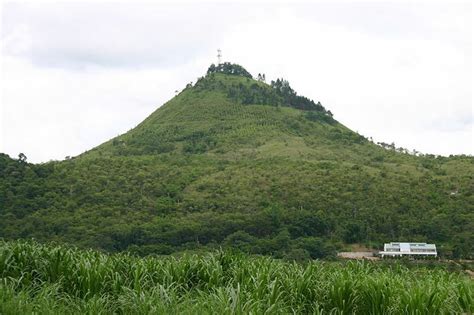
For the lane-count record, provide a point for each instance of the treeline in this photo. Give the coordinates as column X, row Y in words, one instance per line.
column 229, row 68
column 289, row 96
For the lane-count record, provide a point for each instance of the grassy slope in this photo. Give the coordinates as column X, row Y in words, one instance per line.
column 231, row 128
column 203, row 167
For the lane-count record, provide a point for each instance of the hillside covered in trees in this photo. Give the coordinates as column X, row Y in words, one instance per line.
column 236, row 162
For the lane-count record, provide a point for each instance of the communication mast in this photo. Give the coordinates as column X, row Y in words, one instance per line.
column 219, row 56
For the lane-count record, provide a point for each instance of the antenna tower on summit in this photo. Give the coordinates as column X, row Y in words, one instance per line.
column 219, row 56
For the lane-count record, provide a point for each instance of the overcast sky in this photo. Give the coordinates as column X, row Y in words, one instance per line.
column 76, row 75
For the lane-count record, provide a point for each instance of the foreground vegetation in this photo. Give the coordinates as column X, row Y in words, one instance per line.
column 36, row 278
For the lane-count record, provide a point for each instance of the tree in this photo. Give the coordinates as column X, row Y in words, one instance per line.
column 22, row 158
column 241, row 240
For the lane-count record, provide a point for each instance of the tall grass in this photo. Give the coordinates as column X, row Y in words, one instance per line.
column 37, row 278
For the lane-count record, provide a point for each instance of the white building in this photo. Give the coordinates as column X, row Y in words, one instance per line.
column 408, row 249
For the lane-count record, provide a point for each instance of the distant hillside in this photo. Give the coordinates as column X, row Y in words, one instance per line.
column 235, row 162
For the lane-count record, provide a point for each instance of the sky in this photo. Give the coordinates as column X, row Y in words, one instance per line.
column 74, row 75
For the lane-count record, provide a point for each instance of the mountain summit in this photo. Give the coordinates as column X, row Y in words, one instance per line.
column 228, row 111
column 235, row 162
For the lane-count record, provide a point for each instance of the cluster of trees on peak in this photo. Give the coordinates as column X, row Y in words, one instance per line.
column 289, row 96
column 229, row 68
column 277, row 93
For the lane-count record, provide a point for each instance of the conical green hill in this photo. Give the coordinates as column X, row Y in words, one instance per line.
column 235, row 162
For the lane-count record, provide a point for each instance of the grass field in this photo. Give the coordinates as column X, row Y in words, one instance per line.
column 52, row 279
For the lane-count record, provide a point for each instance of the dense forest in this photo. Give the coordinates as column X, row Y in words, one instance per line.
column 234, row 162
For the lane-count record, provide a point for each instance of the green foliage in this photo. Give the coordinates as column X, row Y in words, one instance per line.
column 245, row 91
column 56, row 279
column 289, row 96
column 255, row 93
column 320, row 116
column 230, row 69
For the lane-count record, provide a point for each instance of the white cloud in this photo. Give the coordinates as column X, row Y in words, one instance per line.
column 76, row 75
column 75, row 35
column 52, row 113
